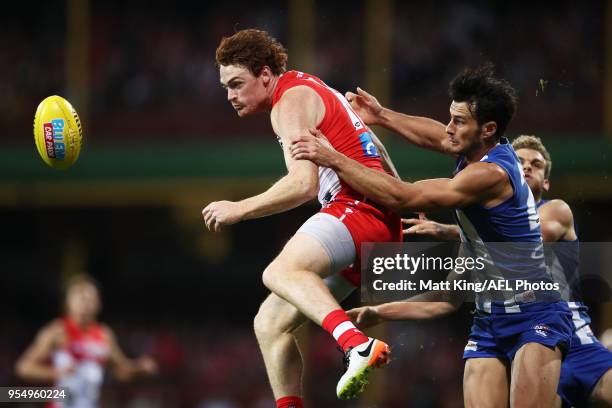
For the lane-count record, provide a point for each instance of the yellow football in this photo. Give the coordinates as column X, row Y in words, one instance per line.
column 57, row 132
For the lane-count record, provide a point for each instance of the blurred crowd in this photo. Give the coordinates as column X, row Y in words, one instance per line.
column 152, row 71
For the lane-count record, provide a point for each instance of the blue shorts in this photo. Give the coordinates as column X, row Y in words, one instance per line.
column 502, row 335
column 582, row 368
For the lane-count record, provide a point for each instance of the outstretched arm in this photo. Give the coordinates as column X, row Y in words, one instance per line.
column 124, row 368
column 478, row 183
column 32, row 364
column 368, row 316
column 420, row 131
column 425, row 306
column 298, row 109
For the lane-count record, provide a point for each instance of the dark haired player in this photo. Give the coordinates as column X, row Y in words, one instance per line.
column 79, row 348
column 252, row 69
column 519, row 342
column 586, row 371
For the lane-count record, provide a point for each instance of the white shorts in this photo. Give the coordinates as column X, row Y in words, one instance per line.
column 337, row 241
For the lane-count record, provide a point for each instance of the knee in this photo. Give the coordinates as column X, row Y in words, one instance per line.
column 264, row 326
column 270, row 323
column 272, row 276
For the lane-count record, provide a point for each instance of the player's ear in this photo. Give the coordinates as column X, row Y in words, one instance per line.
column 489, row 129
column 266, row 75
column 546, row 185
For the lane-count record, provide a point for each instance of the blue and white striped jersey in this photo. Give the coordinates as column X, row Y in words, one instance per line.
column 516, row 224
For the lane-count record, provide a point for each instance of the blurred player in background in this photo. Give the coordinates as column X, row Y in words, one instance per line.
column 72, row 352
column 252, row 69
column 508, row 357
column 586, row 372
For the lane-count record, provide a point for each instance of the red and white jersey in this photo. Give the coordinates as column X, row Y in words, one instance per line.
column 344, row 129
column 83, row 356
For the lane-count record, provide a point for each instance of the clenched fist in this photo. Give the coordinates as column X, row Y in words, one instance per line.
column 220, row 213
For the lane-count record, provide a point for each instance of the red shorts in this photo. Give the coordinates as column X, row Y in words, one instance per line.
column 367, row 223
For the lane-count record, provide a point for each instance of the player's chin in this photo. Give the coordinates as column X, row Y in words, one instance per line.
column 533, row 183
column 456, row 148
column 243, row 111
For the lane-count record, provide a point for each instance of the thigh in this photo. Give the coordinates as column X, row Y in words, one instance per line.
column 585, row 373
column 485, row 383
column 602, row 393
column 323, row 245
column 335, row 238
column 535, row 375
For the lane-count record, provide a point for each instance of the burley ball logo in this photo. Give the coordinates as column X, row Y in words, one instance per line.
column 54, row 139
column 471, row 346
column 541, row 330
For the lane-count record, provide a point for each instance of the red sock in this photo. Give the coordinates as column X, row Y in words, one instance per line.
column 338, row 324
column 289, row 402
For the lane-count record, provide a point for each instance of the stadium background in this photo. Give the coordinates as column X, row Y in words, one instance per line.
column 161, row 142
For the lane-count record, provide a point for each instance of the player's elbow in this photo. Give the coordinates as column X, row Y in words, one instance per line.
column 549, row 232
column 303, row 177
column 310, row 191
column 306, row 188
